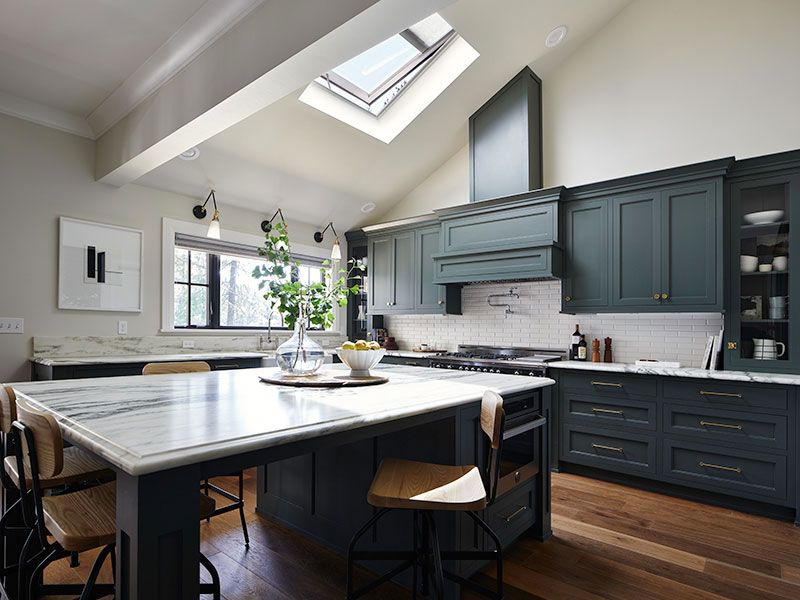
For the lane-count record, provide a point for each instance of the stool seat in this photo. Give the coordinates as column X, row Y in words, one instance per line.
column 426, row 486
column 78, row 466
column 87, row 519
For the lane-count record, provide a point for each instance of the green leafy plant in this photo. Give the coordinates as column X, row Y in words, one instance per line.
column 295, row 300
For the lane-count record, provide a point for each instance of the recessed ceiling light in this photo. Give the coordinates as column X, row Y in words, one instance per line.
column 368, row 207
column 190, row 154
column 555, row 37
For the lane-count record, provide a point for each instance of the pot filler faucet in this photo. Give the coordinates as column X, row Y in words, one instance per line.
column 510, row 294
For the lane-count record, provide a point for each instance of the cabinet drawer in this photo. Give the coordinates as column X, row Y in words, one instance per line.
column 512, row 513
column 712, row 393
column 728, row 426
column 608, row 449
column 609, row 412
column 610, row 384
column 733, row 471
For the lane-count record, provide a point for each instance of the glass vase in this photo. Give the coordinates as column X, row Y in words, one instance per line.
column 300, row 355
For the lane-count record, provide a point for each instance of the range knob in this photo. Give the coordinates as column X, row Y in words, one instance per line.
column 516, row 372
column 486, row 370
column 531, row 374
column 449, row 366
column 461, row 368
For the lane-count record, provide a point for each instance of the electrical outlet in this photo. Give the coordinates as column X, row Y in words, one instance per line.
column 188, row 343
column 122, row 327
column 12, row 325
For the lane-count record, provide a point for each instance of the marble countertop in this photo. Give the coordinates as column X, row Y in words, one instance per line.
column 147, row 424
column 751, row 376
column 67, row 361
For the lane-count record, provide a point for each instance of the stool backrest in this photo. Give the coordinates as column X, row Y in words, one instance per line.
column 164, row 368
column 46, row 436
column 493, row 419
column 8, row 408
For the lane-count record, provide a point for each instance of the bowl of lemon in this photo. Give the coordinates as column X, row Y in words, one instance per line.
column 360, row 356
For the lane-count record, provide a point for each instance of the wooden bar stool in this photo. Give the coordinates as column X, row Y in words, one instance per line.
column 423, row 488
column 77, row 521
column 237, row 502
column 79, row 468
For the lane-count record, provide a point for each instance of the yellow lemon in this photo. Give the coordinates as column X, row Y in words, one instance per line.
column 361, row 345
column 348, row 346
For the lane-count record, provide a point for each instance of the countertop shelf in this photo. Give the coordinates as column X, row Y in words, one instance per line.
column 762, row 273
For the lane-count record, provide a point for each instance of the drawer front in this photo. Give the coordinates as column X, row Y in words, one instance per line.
column 610, row 384
column 512, row 513
column 712, row 393
column 608, row 449
column 727, row 426
column 609, row 412
column 733, row 471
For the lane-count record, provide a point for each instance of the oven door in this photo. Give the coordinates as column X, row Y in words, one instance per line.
column 520, row 451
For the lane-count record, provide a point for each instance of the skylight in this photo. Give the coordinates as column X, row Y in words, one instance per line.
column 374, row 78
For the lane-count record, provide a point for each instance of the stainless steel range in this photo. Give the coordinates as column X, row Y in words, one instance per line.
column 531, row 362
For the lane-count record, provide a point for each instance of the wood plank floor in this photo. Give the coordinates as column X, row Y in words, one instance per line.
column 610, row 542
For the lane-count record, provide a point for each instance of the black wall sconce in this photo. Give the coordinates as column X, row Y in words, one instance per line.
column 266, row 226
column 336, row 251
column 199, row 211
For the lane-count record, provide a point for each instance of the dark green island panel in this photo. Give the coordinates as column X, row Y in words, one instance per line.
column 322, row 495
column 729, row 443
column 110, row 369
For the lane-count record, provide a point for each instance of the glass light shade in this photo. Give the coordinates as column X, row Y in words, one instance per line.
column 336, row 251
column 213, row 228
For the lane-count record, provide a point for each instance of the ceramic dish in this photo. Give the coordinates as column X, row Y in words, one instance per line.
column 747, row 263
column 360, row 361
column 763, row 217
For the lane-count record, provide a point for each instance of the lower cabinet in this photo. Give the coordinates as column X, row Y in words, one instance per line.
column 734, row 443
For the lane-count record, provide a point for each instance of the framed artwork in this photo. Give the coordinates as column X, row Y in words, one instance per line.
column 99, row 266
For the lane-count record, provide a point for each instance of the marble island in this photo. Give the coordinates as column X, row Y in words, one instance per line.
column 58, row 361
column 694, row 373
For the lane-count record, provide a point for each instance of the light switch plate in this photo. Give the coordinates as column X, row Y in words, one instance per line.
column 188, row 343
column 122, row 327
column 12, row 325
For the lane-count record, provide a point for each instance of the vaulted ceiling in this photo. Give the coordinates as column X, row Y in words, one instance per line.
column 73, row 56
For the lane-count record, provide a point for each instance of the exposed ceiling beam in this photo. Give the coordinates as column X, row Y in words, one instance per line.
column 281, row 46
column 44, row 115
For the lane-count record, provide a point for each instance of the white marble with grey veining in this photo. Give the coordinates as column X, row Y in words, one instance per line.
column 146, row 424
column 749, row 376
column 143, row 358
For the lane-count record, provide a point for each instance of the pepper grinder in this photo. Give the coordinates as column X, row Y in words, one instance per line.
column 596, row 351
column 607, row 357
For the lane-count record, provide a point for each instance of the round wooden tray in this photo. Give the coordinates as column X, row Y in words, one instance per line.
column 322, row 380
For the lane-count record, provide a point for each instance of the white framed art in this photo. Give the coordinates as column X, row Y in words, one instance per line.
column 99, row 266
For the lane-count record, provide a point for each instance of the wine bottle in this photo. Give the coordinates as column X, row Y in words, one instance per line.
column 582, row 348
column 576, row 338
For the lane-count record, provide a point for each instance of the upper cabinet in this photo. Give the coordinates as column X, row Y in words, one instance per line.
column 505, row 140
column 401, row 272
column 647, row 247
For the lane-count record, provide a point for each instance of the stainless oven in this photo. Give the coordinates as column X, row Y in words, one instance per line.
column 521, row 447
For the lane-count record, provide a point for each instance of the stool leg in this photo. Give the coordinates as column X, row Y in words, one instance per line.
column 88, row 589
column 416, row 558
column 498, row 546
column 212, row 570
column 241, row 509
column 351, row 547
column 22, row 564
column 33, row 584
column 438, row 575
column 74, row 560
column 426, row 550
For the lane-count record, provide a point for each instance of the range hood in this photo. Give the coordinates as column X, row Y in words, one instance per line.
column 504, row 239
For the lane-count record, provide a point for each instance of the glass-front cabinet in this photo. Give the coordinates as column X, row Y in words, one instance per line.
column 764, row 304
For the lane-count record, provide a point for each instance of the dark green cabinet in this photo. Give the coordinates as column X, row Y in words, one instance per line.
column 401, row 274
column 587, row 254
column 636, row 250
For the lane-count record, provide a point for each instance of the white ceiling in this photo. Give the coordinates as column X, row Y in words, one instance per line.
column 72, row 54
column 270, row 159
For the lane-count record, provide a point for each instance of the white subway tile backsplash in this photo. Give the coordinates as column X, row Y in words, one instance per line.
column 536, row 321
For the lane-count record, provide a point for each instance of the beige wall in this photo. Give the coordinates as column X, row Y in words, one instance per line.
column 663, row 84
column 45, row 174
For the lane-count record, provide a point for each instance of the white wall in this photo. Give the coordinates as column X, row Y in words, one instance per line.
column 671, row 83
column 663, row 84
column 45, row 174
column 536, row 322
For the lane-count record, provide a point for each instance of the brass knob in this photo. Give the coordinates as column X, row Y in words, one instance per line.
column 656, row 296
column 388, row 304
column 441, row 302
column 663, row 296
column 567, row 299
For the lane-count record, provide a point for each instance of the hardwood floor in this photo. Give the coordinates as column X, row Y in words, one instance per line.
column 610, row 542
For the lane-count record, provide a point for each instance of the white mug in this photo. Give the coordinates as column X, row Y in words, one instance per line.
column 767, row 349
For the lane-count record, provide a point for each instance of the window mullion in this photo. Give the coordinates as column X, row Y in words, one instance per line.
column 214, row 290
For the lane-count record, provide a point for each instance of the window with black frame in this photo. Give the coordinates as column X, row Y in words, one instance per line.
column 214, row 287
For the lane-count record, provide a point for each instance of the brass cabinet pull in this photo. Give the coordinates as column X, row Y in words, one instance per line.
column 568, row 299
column 514, row 514
column 607, row 410
column 734, row 469
column 226, row 366
column 703, row 393
column 720, row 425
column 607, row 384
column 656, row 296
column 441, row 302
column 601, row 446
column 664, row 296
